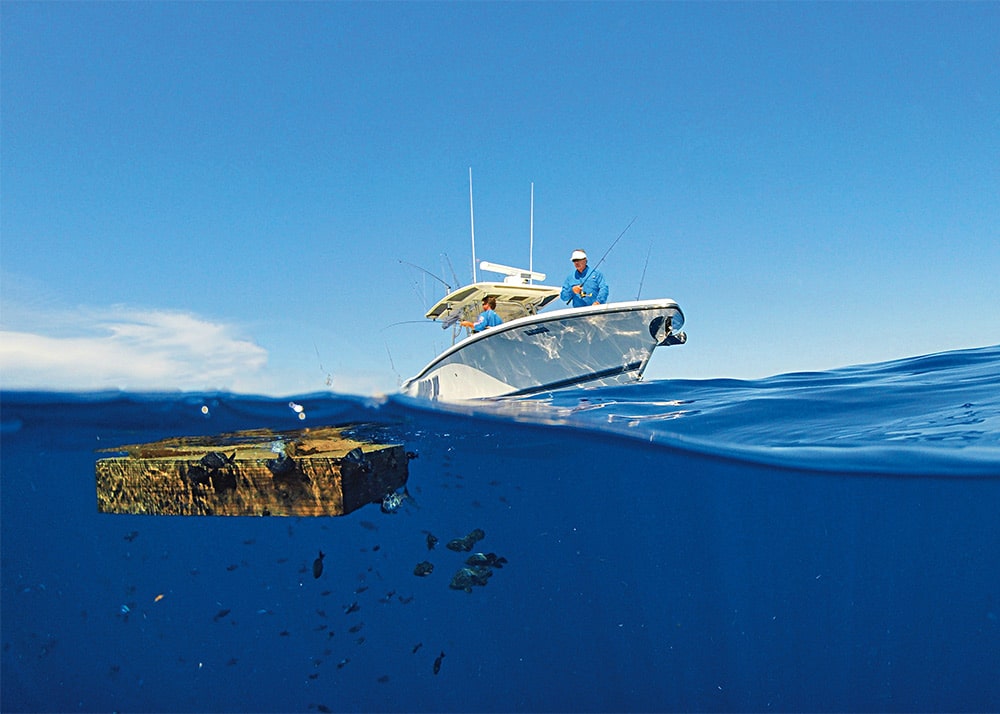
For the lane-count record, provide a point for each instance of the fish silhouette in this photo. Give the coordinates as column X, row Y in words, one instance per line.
column 318, row 565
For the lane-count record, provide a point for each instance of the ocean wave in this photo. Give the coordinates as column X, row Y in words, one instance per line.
column 934, row 416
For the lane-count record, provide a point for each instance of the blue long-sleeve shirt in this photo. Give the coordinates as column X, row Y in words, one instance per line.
column 487, row 318
column 595, row 288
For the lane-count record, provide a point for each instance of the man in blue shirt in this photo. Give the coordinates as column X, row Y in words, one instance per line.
column 487, row 318
column 585, row 285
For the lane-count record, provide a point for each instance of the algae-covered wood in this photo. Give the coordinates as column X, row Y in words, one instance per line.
column 309, row 472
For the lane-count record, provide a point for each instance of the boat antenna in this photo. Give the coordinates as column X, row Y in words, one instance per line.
column 472, row 225
column 531, row 236
column 615, row 243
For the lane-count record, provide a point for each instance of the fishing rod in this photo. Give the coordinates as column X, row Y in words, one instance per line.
column 645, row 265
column 615, row 242
column 426, row 272
column 607, row 252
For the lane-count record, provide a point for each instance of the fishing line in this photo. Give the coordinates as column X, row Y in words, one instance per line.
column 329, row 377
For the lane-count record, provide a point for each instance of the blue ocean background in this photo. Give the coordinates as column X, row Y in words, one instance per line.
column 808, row 542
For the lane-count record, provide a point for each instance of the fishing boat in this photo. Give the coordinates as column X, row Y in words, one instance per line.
column 534, row 351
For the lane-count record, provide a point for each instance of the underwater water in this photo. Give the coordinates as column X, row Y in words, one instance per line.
column 809, row 542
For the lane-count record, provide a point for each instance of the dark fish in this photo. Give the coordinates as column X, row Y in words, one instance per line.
column 323, row 708
column 466, row 543
column 383, row 679
column 356, row 628
column 318, row 565
column 437, row 663
column 221, row 614
column 215, row 460
column 132, row 536
column 432, row 541
column 198, row 474
column 353, row 607
column 417, row 647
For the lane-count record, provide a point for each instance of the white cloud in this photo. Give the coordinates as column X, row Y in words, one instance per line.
column 127, row 348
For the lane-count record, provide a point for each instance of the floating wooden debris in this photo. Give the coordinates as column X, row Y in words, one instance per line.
column 308, row 472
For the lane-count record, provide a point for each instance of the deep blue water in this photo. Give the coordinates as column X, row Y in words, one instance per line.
column 810, row 542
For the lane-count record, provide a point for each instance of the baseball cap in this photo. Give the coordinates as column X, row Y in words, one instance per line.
column 578, row 255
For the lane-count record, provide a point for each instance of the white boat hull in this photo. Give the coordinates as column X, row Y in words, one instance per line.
column 594, row 346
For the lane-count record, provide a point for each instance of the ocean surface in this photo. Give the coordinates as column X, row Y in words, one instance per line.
column 808, row 542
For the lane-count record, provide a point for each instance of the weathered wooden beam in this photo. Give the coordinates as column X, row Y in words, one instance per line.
column 308, row 472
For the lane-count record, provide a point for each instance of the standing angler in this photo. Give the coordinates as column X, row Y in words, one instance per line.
column 585, row 285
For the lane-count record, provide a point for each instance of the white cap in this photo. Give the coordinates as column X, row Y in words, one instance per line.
column 578, row 255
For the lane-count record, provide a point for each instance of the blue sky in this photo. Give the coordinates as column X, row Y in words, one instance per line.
column 220, row 195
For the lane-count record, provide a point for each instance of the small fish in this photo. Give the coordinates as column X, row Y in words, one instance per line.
column 432, row 541
column 383, row 679
column 437, row 663
column 221, row 614
column 132, row 536
column 356, row 628
column 343, row 663
column 158, row 597
column 417, row 647
column 318, row 565
column 353, row 607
